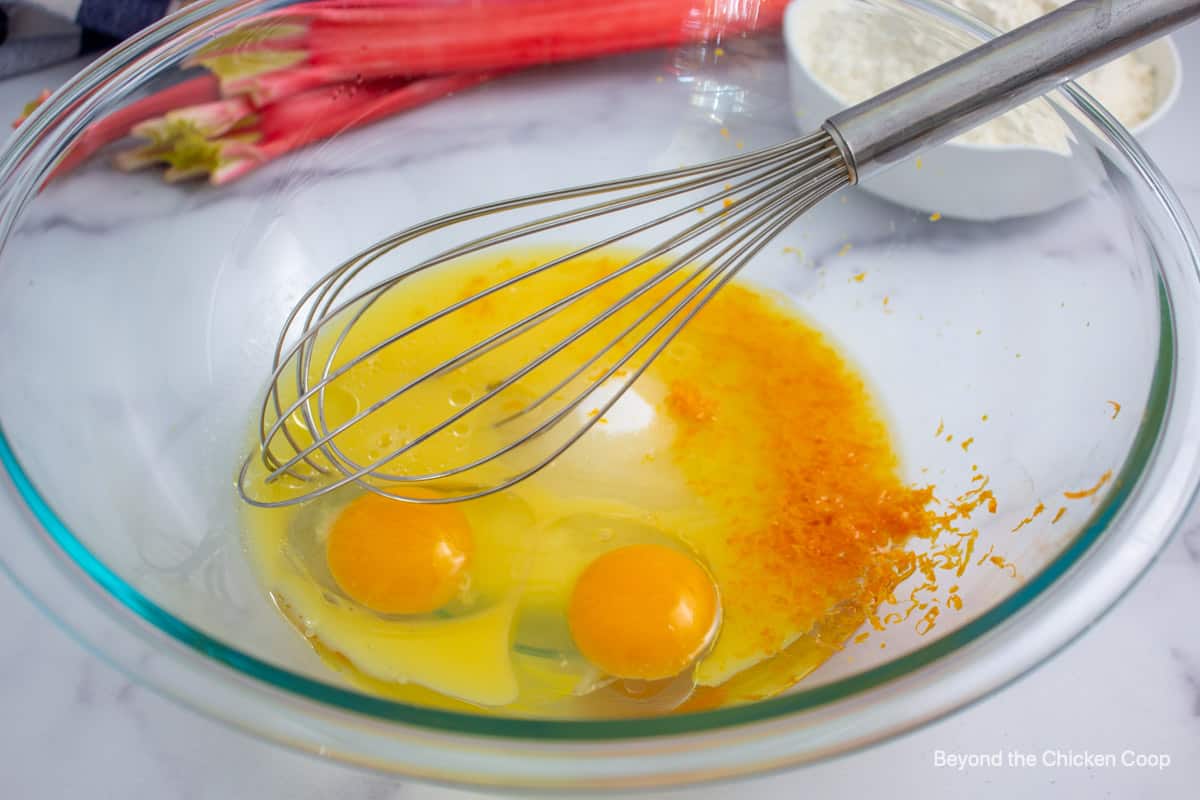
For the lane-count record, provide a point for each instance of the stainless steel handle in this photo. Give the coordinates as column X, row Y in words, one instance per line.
column 997, row 76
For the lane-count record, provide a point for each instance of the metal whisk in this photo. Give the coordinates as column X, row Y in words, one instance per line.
column 535, row 411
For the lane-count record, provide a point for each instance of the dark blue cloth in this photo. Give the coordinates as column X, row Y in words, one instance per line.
column 34, row 35
column 119, row 18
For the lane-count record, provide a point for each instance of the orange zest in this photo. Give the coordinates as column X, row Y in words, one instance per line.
column 1079, row 495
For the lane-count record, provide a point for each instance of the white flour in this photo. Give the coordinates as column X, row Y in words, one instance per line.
column 858, row 55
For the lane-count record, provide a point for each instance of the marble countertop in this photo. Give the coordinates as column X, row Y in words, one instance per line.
column 73, row 726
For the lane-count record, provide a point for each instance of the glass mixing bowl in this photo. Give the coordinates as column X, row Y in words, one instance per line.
column 137, row 319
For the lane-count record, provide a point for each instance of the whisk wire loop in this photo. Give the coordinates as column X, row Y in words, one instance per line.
column 774, row 186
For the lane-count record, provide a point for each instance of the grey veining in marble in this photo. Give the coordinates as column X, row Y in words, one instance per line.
column 73, row 727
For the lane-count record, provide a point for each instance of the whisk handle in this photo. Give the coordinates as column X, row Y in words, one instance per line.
column 997, row 76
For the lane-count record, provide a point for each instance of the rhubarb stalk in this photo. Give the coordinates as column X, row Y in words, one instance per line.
column 304, row 73
column 334, row 43
column 213, row 140
column 120, row 123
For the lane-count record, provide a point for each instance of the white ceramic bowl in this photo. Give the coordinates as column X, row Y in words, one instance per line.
column 960, row 179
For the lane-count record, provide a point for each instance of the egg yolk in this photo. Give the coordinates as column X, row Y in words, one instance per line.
column 645, row 611
column 399, row 558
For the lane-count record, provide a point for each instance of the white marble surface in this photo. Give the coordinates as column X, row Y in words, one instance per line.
column 72, row 726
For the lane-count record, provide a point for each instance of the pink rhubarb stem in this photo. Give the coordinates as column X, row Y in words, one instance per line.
column 317, row 114
column 341, row 43
column 120, row 123
column 271, row 87
column 207, row 119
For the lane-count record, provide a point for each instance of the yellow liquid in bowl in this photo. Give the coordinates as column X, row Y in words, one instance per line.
column 749, row 458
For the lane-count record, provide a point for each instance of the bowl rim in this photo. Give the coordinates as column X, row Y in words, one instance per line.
column 23, row 165
column 1163, row 104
